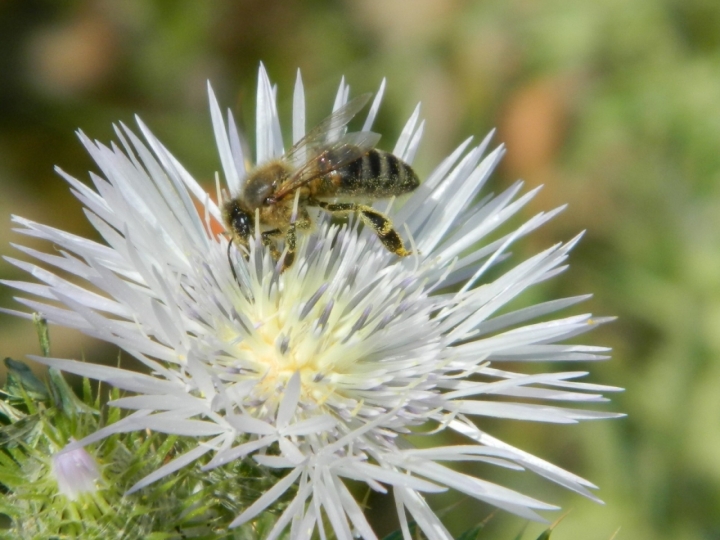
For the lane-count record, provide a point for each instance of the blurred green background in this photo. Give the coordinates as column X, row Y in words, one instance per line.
column 614, row 105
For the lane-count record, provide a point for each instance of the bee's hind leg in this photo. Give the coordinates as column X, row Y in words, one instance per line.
column 377, row 221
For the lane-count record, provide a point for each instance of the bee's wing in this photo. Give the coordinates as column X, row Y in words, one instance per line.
column 329, row 158
column 319, row 134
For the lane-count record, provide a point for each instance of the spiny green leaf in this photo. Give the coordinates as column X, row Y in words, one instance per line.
column 88, row 394
column 13, row 414
column 19, row 431
column 65, row 398
column 20, row 376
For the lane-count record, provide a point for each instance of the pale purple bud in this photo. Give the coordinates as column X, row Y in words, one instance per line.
column 75, row 472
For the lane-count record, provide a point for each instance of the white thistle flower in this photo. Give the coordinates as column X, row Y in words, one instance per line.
column 75, row 472
column 321, row 369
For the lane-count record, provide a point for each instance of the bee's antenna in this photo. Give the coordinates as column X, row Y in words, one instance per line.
column 230, row 262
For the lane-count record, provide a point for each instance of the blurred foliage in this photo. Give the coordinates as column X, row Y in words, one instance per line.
column 613, row 105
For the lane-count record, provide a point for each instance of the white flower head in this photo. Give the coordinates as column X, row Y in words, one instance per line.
column 323, row 368
column 75, row 471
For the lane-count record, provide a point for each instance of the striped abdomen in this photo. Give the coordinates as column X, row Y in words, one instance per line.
column 376, row 174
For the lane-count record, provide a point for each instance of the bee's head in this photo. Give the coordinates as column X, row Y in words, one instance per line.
column 238, row 221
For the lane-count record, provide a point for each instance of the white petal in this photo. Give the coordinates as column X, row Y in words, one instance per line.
column 326, row 493
column 293, row 511
column 267, row 123
column 123, row 425
column 184, row 176
column 370, row 120
column 155, row 402
column 298, row 111
column 232, row 178
column 553, row 472
column 353, row 511
column 317, row 424
column 127, row 380
column 361, row 471
column 248, row 424
column 290, row 451
column 288, row 405
column 535, row 413
column 407, row 132
column 423, row 515
column 237, row 452
column 178, row 426
column 414, row 144
column 236, row 147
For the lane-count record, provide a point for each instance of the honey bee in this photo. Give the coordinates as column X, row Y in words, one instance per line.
column 319, row 167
